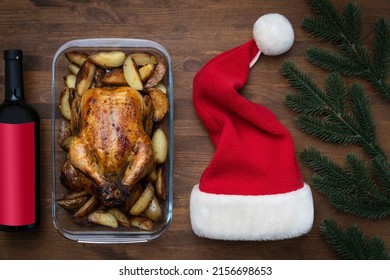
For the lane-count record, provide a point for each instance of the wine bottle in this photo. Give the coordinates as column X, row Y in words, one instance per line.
column 19, row 152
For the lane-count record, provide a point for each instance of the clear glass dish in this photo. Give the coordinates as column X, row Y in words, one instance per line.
column 62, row 219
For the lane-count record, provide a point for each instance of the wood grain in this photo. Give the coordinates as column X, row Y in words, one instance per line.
column 193, row 32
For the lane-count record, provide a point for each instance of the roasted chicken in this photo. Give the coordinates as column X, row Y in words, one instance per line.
column 111, row 146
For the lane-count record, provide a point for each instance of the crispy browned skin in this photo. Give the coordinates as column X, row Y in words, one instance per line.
column 112, row 147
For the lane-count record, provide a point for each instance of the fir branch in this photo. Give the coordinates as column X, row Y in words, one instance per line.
column 329, row 131
column 344, row 29
column 351, row 188
column 352, row 244
column 335, row 61
column 326, row 115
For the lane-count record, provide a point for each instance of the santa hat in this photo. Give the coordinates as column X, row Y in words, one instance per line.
column 252, row 189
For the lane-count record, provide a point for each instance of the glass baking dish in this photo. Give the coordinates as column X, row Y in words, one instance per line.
column 62, row 219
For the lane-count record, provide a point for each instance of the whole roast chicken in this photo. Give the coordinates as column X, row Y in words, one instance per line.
column 111, row 147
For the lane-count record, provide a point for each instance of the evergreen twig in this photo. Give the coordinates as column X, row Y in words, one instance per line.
column 344, row 30
column 336, row 114
column 352, row 188
column 352, row 244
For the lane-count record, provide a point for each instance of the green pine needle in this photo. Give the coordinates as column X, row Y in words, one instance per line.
column 344, row 29
column 352, row 244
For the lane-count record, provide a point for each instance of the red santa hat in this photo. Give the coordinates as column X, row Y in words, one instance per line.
column 252, row 189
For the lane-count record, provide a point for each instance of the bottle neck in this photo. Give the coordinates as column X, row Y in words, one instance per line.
column 14, row 89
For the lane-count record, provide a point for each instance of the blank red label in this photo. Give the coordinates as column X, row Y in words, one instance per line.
column 17, row 174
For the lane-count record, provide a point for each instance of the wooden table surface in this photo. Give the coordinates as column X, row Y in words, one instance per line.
column 192, row 32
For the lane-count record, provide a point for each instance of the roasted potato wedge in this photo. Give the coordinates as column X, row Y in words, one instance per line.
column 70, row 204
column 72, row 96
column 103, row 218
column 152, row 176
column 160, row 103
column 143, row 201
column 70, row 81
column 64, row 135
column 73, row 195
column 115, row 78
column 65, row 144
column 131, row 73
column 135, row 193
column 160, row 185
column 65, row 103
column 75, row 116
column 160, row 146
column 73, row 180
column 70, row 177
column 73, row 69
column 120, row 217
column 154, row 212
column 148, row 115
column 99, row 76
column 143, row 58
column 158, row 73
column 111, row 59
column 76, row 57
column 85, row 77
column 146, row 72
column 90, row 206
column 141, row 223
column 162, row 87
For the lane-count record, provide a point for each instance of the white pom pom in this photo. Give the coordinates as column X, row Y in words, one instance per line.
column 273, row 34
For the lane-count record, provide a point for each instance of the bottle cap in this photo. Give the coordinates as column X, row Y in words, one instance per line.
column 13, row 55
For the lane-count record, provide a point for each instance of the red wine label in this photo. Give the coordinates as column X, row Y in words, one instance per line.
column 17, row 174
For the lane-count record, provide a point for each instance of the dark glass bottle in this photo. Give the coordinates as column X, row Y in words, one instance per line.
column 19, row 152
